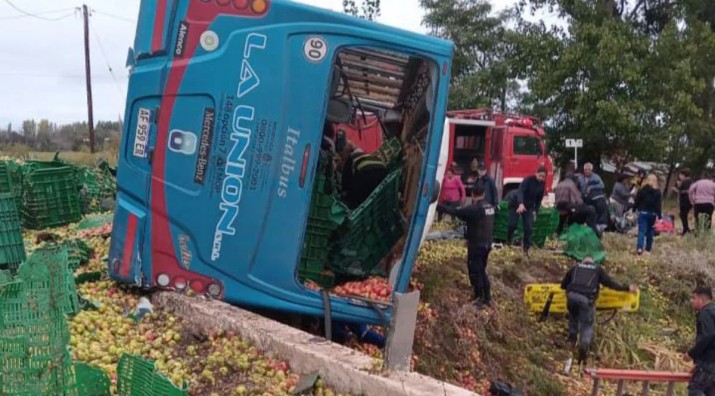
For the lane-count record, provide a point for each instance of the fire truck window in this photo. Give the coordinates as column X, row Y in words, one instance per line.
column 525, row 145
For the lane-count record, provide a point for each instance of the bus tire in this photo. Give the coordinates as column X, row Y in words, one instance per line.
column 435, row 192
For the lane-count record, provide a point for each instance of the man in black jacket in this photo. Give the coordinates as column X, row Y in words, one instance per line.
column 480, row 228
column 488, row 184
column 528, row 202
column 702, row 383
column 582, row 284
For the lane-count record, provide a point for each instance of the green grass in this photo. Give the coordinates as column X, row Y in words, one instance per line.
column 84, row 157
column 77, row 157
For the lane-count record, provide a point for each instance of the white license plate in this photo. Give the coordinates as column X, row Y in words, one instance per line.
column 141, row 137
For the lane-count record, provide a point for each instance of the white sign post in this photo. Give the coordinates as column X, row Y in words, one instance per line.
column 575, row 144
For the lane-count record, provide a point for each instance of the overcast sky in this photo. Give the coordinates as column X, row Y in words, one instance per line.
column 42, row 61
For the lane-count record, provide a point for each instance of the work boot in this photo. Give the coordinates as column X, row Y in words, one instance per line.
column 582, row 355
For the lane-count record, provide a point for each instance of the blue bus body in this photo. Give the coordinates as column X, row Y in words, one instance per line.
column 223, row 126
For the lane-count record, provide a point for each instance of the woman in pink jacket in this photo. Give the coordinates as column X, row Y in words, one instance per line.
column 453, row 192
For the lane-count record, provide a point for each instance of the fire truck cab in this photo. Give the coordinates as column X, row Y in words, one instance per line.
column 511, row 146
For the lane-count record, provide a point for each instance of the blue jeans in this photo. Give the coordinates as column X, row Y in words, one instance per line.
column 582, row 312
column 646, row 221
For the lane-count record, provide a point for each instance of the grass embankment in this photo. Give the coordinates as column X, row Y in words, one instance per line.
column 83, row 157
column 469, row 347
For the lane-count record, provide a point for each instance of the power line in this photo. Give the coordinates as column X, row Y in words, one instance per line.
column 106, row 60
column 35, row 15
column 121, row 18
column 41, row 13
column 48, row 20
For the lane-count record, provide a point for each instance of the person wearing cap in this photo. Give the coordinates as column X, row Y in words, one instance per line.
column 582, row 284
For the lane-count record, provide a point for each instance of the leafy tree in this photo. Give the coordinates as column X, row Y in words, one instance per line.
column 481, row 75
column 629, row 92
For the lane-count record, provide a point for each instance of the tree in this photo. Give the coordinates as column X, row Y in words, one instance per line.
column 481, row 73
column 629, row 92
column 369, row 9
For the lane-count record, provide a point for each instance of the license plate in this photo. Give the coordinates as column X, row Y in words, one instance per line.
column 141, row 137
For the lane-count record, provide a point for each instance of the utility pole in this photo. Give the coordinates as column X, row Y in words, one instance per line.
column 87, row 70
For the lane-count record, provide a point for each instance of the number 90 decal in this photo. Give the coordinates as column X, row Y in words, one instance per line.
column 315, row 49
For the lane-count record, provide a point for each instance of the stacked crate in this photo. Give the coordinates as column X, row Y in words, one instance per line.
column 34, row 357
column 50, row 197
column 10, row 181
column 12, row 246
column 326, row 214
column 94, row 186
column 547, row 221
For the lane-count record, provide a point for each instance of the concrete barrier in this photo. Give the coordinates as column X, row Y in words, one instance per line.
column 344, row 369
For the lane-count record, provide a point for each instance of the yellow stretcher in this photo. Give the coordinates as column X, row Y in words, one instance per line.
column 536, row 296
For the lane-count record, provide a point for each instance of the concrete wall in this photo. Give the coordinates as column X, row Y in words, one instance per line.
column 344, row 369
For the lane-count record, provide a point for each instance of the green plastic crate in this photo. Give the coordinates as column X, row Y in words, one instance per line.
column 94, row 185
column 91, row 381
column 47, row 268
column 27, row 370
column 326, row 214
column 12, row 245
column 137, row 377
column 50, row 197
column 34, row 358
column 78, row 253
column 547, row 221
column 390, row 152
column 10, row 181
column 370, row 231
column 6, row 177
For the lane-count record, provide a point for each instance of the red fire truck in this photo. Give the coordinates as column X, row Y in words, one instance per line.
column 511, row 146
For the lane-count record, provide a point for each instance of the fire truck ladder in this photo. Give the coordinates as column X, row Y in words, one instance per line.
column 647, row 377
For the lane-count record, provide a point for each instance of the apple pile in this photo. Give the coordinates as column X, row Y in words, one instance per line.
column 104, row 230
column 374, row 288
column 214, row 364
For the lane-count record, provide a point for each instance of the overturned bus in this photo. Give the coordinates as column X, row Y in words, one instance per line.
column 223, row 167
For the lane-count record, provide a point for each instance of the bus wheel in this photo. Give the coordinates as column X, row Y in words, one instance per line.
column 435, row 192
